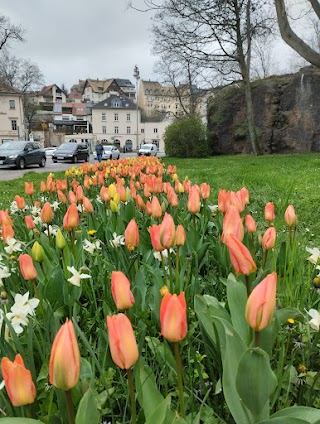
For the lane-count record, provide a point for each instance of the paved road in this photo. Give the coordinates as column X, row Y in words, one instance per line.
column 13, row 173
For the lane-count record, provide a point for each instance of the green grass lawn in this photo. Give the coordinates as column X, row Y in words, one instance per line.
column 281, row 179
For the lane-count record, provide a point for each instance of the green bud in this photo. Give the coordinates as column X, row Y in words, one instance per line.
column 60, row 240
column 37, row 252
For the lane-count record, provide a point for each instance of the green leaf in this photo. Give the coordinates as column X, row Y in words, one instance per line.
column 255, row 381
column 283, row 421
column 87, row 410
column 19, row 421
column 303, row 413
column 159, row 414
column 237, row 299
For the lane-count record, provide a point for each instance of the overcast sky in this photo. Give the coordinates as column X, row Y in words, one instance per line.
column 71, row 39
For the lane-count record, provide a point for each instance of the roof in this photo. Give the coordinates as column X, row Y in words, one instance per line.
column 110, row 103
column 124, row 82
column 101, row 86
column 6, row 88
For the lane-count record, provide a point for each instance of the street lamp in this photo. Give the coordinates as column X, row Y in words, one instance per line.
column 136, row 75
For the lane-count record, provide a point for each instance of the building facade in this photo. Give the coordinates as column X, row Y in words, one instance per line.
column 11, row 114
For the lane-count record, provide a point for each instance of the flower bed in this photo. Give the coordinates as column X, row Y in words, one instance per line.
column 128, row 297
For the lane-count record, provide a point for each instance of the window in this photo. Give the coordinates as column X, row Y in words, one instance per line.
column 104, row 130
column 155, row 130
column 103, row 117
column 116, row 117
column 14, row 124
column 12, row 104
column 116, row 130
column 142, row 130
column 128, row 130
column 128, row 117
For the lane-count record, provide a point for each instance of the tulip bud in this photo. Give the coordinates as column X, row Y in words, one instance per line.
column 79, row 194
column 154, row 231
column 223, row 201
column 7, row 233
column 27, row 268
column 64, row 364
column 205, row 190
column 269, row 238
column 18, row 381
column 173, row 317
column 240, row 256
column 167, row 231
column 20, row 202
column 250, row 224
column 60, row 240
column 180, row 236
column 28, row 188
column 261, row 303
column 113, row 206
column 71, row 218
column 47, row 213
column 290, row 217
column 29, row 222
column 269, row 212
column 232, row 224
column 131, row 235
column 120, row 288
column 87, row 205
column 123, row 345
column 194, row 200
column 37, row 252
column 62, row 197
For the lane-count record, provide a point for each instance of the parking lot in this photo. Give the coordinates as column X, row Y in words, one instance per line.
column 12, row 173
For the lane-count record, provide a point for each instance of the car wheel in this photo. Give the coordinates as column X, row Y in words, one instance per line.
column 87, row 158
column 54, row 161
column 43, row 162
column 22, row 163
column 75, row 159
column 118, row 157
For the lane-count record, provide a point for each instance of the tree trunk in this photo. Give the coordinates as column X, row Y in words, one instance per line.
column 291, row 37
column 250, row 118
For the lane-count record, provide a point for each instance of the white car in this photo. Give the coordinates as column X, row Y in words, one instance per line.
column 50, row 150
column 148, row 150
column 109, row 152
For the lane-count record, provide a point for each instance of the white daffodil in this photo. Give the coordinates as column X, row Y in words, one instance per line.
column 76, row 277
column 315, row 254
column 79, row 207
column 23, row 305
column 17, row 321
column 52, row 229
column 213, row 208
column 1, row 318
column 13, row 246
column 117, row 240
column 2, row 385
column 91, row 247
column 13, row 207
column 98, row 199
column 35, row 211
column 37, row 220
column 55, row 205
column 315, row 321
column 4, row 273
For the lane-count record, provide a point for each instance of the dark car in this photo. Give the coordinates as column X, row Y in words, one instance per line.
column 21, row 154
column 73, row 152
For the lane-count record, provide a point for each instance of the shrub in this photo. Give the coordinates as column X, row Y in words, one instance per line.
column 186, row 137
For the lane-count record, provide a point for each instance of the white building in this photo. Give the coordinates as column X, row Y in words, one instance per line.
column 11, row 113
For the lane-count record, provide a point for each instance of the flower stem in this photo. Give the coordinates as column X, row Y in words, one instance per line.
column 248, row 285
column 257, row 338
column 177, row 271
column 132, row 396
column 164, row 269
column 180, row 378
column 69, row 406
column 170, row 270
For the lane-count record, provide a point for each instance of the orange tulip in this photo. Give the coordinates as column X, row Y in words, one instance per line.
column 154, row 231
column 250, row 224
column 123, row 345
column 131, row 235
column 232, row 224
column 29, row 222
column 244, row 194
column 87, row 205
column 193, row 200
column 223, row 201
column 72, row 197
column 173, row 317
column 47, row 213
column 269, row 212
column 79, row 194
column 237, row 201
column 43, row 187
column 261, row 303
column 104, row 194
column 155, row 209
column 205, row 190
column 140, row 203
column 71, row 218
column 7, row 232
column 240, row 256
column 180, row 236
column 269, row 238
column 20, row 202
column 27, row 268
column 5, row 218
column 28, row 188
column 62, row 197
column 167, row 231
column 290, row 217
column 64, row 364
column 120, row 288
column 18, row 381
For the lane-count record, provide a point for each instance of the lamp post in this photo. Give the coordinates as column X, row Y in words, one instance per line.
column 136, row 75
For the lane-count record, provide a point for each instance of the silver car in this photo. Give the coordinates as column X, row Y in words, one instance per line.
column 148, row 150
column 109, row 152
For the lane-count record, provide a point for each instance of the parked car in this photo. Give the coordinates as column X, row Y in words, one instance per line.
column 49, row 150
column 109, row 152
column 148, row 150
column 21, row 154
column 71, row 152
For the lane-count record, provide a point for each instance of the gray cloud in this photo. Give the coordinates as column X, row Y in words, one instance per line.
column 72, row 40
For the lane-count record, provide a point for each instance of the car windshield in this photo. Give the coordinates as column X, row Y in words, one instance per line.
column 146, row 146
column 107, row 148
column 13, row 145
column 67, row 146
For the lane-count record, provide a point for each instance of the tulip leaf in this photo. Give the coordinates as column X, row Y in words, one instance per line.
column 303, row 413
column 159, row 414
column 19, row 421
column 237, row 299
column 88, row 410
column 255, row 382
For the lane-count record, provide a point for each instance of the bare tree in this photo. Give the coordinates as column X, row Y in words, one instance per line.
column 9, row 32
column 264, row 62
column 302, row 47
column 217, row 35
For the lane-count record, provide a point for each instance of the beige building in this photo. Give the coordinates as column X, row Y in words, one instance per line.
column 49, row 95
column 11, row 114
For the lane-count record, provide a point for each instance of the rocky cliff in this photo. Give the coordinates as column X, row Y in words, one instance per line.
column 287, row 115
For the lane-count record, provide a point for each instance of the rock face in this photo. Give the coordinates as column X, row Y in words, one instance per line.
column 287, row 115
